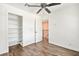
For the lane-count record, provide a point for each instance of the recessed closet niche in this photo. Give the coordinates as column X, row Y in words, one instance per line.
column 14, row 29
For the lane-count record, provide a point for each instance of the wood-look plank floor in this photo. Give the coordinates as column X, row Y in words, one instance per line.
column 40, row 49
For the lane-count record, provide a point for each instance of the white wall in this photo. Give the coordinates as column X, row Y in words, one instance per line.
column 28, row 26
column 64, row 26
column 3, row 30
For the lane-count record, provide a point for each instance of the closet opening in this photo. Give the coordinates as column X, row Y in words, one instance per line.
column 15, row 35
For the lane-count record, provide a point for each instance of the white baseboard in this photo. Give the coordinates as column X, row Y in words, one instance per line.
column 5, row 51
column 25, row 44
column 74, row 49
column 11, row 43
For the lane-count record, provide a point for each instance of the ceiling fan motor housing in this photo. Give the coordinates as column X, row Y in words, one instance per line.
column 43, row 5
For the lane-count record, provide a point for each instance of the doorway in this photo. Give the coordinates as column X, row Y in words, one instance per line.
column 45, row 31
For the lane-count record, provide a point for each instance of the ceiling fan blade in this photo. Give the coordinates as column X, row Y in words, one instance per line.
column 39, row 10
column 32, row 5
column 53, row 4
column 48, row 11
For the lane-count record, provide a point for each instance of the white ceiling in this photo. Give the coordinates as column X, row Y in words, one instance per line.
column 32, row 9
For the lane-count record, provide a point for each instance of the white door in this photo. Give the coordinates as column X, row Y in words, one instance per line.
column 38, row 30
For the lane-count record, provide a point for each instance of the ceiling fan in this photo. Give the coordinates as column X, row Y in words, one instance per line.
column 43, row 6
